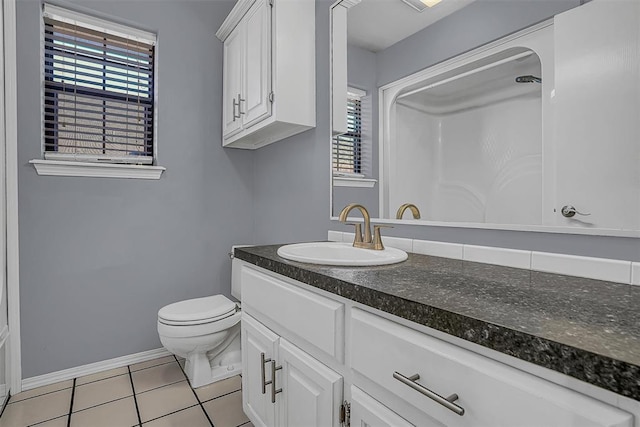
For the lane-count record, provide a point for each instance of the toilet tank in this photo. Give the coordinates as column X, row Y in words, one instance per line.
column 235, row 279
column 235, row 275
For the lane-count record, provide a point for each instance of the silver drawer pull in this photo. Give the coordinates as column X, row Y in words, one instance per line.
column 447, row 402
column 265, row 383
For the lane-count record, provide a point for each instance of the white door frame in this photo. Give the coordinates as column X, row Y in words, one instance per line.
column 11, row 189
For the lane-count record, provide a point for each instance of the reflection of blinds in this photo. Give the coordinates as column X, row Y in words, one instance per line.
column 347, row 148
column 98, row 102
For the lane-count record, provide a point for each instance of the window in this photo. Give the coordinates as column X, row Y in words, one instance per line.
column 98, row 90
column 347, row 148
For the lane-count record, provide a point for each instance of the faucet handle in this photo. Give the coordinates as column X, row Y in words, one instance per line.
column 358, row 226
column 377, row 238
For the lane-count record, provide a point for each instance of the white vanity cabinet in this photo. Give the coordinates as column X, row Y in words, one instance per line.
column 321, row 346
column 283, row 385
column 268, row 72
column 304, row 392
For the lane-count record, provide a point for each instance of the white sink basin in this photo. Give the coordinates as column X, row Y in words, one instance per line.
column 339, row 253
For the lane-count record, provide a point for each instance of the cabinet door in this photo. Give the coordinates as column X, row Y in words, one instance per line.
column 257, row 339
column 232, row 81
column 368, row 412
column 597, row 104
column 311, row 393
column 255, row 104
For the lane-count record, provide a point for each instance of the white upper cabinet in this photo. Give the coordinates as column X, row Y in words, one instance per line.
column 232, row 82
column 268, row 72
column 597, row 104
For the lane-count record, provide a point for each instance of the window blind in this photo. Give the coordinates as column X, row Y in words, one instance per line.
column 347, row 148
column 98, row 92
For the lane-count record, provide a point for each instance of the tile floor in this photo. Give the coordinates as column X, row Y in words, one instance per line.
column 150, row 394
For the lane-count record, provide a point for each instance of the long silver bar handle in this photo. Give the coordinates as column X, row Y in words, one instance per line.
column 240, row 101
column 447, row 402
column 235, row 104
column 274, row 368
column 265, row 383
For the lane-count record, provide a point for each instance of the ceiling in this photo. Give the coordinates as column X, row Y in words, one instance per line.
column 377, row 24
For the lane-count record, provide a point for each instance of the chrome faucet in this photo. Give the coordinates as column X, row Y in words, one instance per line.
column 359, row 241
column 414, row 211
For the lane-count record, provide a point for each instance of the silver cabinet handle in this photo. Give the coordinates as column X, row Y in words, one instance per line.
column 447, row 402
column 569, row 211
column 235, row 104
column 265, row 383
column 240, row 101
column 274, row 368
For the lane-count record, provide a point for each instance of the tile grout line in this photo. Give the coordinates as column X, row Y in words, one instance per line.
column 135, row 399
column 37, row 395
column 73, row 394
column 194, row 392
column 171, row 413
column 103, row 403
column 101, row 379
column 148, row 367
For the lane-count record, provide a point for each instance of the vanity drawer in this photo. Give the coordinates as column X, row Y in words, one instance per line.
column 491, row 393
column 295, row 313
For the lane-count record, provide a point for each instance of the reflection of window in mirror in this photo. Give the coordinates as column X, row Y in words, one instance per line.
column 350, row 149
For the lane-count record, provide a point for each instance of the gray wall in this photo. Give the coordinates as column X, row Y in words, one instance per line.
column 291, row 194
column 99, row 257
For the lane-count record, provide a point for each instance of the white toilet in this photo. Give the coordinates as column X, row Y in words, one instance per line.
column 206, row 332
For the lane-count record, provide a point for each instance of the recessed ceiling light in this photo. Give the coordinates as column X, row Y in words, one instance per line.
column 421, row 5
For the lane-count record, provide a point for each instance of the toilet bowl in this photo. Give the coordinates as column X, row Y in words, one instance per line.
column 206, row 332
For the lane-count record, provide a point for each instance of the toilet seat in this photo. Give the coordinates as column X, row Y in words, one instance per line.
column 197, row 311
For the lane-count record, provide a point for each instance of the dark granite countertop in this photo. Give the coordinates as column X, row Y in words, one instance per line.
column 588, row 329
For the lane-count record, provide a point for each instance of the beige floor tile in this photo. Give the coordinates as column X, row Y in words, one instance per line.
column 121, row 413
column 37, row 409
column 100, row 392
column 226, row 411
column 157, row 376
column 56, row 422
column 219, row 388
column 165, row 400
column 150, row 363
column 192, row 417
column 41, row 390
column 102, row 375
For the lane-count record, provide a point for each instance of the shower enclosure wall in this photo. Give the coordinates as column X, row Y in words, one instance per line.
column 522, row 132
column 473, row 145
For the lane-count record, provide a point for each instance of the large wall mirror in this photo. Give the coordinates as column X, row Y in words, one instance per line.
column 538, row 130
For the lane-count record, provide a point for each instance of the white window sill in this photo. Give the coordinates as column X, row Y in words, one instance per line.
column 346, row 181
column 96, row 170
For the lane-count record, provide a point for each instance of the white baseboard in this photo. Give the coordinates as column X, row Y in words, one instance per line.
column 92, row 368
